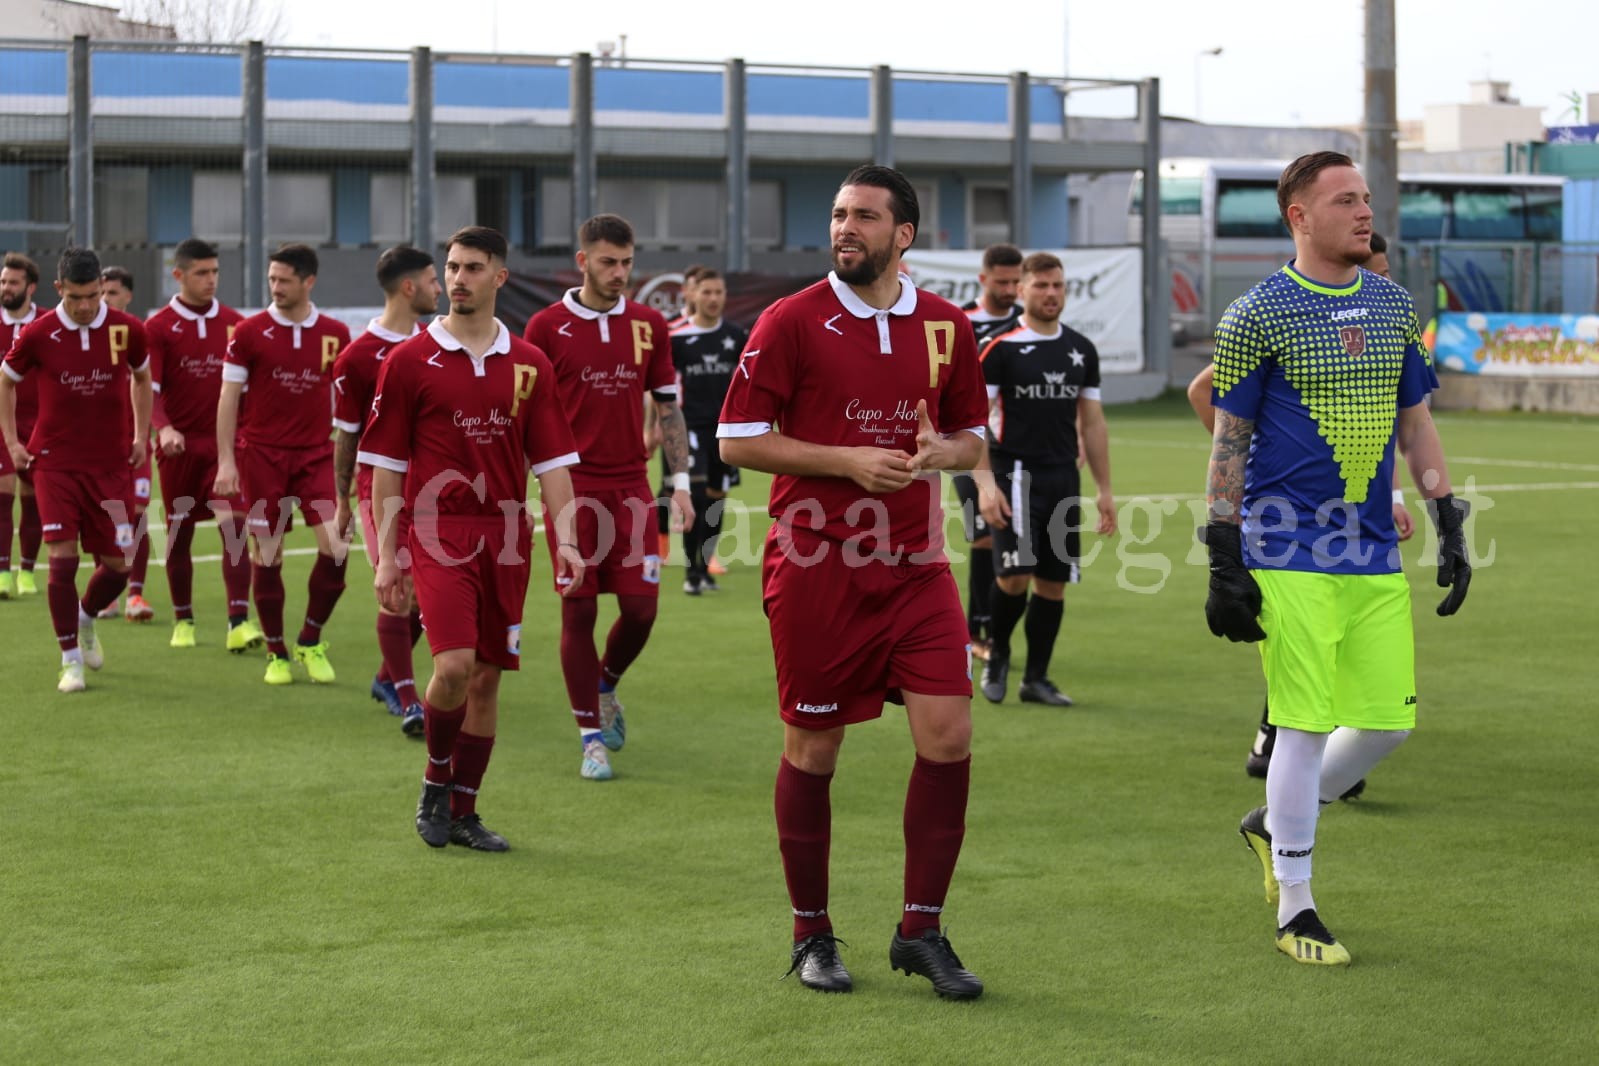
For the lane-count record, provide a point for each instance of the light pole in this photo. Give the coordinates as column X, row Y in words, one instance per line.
column 1198, row 116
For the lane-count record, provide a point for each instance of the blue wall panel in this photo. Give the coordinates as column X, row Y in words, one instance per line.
column 783, row 94
column 499, row 85
column 171, row 204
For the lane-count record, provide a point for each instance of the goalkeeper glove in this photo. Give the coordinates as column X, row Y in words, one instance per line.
column 1454, row 563
column 1233, row 606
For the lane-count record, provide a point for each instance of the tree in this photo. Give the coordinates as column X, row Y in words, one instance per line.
column 212, row 21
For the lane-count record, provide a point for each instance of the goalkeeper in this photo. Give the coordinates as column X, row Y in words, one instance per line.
column 1319, row 372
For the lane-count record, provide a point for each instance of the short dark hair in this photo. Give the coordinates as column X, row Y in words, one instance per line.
column 696, row 272
column 190, row 249
column 612, row 229
column 902, row 200
column 18, row 261
column 398, row 263
column 484, row 239
column 1379, row 244
column 300, row 258
column 708, row 274
column 119, row 274
column 1039, row 262
column 1001, row 255
column 1298, row 176
column 78, row 266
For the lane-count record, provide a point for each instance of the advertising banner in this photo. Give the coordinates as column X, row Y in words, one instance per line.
column 1526, row 345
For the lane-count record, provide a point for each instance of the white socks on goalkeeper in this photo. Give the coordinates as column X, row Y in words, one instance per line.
column 1351, row 754
column 1291, row 810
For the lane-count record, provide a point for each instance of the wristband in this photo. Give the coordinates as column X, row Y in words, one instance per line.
column 680, row 482
column 1399, row 496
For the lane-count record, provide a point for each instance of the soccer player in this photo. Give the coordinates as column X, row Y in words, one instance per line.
column 652, row 428
column 1259, row 758
column 705, row 352
column 1319, row 373
column 410, row 284
column 116, row 289
column 993, row 312
column 188, row 344
column 462, row 413
column 78, row 451
column 690, row 290
column 855, row 392
column 285, row 355
column 19, row 279
column 1043, row 384
column 608, row 352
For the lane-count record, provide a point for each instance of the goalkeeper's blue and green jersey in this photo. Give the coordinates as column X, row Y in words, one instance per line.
column 1323, row 373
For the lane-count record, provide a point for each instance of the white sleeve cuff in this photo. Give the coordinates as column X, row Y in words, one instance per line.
column 993, row 393
column 348, row 427
column 12, row 374
column 680, row 482
column 142, row 366
column 399, row 466
column 1091, row 394
column 155, row 386
column 1399, row 496
column 235, row 373
column 981, row 431
column 742, row 429
column 666, row 390
column 569, row 459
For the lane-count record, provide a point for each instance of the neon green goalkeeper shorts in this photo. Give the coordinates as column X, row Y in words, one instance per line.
column 1339, row 650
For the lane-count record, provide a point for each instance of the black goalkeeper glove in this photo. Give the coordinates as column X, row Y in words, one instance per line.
column 1233, row 606
column 1454, row 563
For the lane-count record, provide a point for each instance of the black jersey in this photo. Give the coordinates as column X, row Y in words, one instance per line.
column 1036, row 382
column 705, row 361
column 985, row 324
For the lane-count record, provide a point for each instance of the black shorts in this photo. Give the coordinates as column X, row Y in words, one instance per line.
column 971, row 515
column 1041, row 536
column 705, row 459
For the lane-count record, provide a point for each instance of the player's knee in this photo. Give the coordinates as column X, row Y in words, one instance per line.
column 452, row 673
column 638, row 610
column 1012, row 584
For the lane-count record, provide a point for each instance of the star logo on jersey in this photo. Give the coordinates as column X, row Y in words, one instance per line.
column 728, row 344
column 746, row 359
column 1055, row 379
column 828, row 325
column 1077, row 357
column 1025, row 350
column 565, row 329
column 1354, row 338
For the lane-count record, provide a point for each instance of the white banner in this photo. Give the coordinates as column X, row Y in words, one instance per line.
column 1104, row 295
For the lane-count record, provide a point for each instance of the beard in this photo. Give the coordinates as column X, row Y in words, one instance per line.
column 14, row 303
column 873, row 264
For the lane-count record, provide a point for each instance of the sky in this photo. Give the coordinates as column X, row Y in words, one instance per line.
column 1274, row 69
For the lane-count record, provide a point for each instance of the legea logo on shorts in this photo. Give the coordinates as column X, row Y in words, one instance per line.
column 815, row 708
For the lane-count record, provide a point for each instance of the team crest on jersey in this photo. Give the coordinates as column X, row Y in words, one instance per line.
column 1354, row 338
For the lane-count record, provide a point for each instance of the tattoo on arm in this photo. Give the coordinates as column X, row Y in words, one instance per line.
column 1229, row 454
column 674, row 436
column 345, row 445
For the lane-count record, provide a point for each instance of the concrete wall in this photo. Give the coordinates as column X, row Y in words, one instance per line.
column 1462, row 127
column 1477, row 392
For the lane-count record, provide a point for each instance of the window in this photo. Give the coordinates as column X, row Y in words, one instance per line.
column 1247, row 209
column 635, row 199
column 1421, row 214
column 121, row 205
column 217, row 213
column 990, row 215
column 556, row 226
column 766, row 214
column 454, row 206
column 299, row 206
column 1488, row 215
column 391, row 208
column 1544, row 216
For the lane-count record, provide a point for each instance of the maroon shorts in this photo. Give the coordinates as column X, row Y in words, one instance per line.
column 471, row 576
column 369, row 529
column 617, row 538
column 187, row 481
column 276, row 480
column 92, row 507
column 848, row 635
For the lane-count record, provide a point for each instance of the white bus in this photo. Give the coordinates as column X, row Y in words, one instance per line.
column 1492, row 240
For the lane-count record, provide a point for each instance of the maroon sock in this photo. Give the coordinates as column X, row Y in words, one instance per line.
column 935, row 825
column 62, row 592
column 466, row 772
column 628, row 634
column 579, row 663
column 141, row 559
column 30, row 533
column 180, row 568
column 269, row 604
column 394, row 642
column 441, row 728
column 7, row 529
column 236, row 568
column 326, row 586
column 105, row 585
column 804, row 836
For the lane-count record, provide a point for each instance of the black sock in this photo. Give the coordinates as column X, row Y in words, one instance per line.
column 1043, row 625
column 979, row 591
column 1266, row 736
column 715, row 509
column 1008, row 610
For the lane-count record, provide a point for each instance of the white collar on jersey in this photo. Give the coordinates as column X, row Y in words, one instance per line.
column 375, row 327
column 272, row 309
column 182, row 309
column 448, row 341
column 1025, row 332
column 576, row 306
column 33, row 313
column 691, row 330
column 99, row 318
column 905, row 305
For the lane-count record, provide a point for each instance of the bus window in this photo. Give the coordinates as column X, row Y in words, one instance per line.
column 1248, row 209
column 1544, row 213
column 1178, row 196
column 1488, row 215
column 1421, row 214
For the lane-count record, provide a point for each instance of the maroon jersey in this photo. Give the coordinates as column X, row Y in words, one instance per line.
column 287, row 370
column 463, row 431
column 85, row 405
column 187, row 348
column 355, row 382
column 605, row 361
column 823, row 366
column 27, row 388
